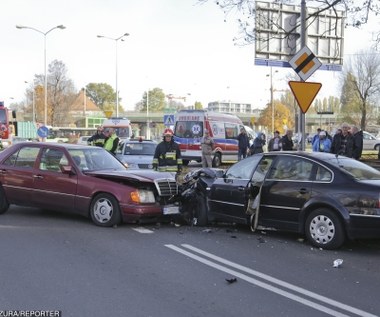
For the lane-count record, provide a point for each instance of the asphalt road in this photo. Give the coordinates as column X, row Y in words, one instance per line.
column 64, row 262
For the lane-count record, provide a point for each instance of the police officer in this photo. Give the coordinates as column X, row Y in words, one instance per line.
column 98, row 139
column 112, row 141
column 167, row 157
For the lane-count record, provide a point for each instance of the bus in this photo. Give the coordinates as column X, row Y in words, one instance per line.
column 68, row 134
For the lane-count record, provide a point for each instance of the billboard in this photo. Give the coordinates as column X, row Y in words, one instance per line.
column 278, row 34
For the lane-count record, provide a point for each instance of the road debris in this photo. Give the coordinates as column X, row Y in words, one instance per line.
column 338, row 263
column 231, row 280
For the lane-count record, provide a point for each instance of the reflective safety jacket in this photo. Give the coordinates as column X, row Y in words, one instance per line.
column 98, row 139
column 111, row 143
column 167, row 157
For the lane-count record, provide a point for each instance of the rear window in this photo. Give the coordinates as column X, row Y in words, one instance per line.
column 139, row 149
column 355, row 168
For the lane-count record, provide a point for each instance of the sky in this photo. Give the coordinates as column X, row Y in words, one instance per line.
column 180, row 46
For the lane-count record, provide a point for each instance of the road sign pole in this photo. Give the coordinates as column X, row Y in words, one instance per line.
column 303, row 44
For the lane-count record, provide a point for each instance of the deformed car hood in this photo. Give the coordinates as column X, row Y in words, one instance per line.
column 132, row 175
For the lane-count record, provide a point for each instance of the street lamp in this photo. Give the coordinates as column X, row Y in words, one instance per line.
column 116, row 40
column 62, row 27
column 271, row 95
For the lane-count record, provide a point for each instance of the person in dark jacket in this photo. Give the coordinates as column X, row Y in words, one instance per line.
column 258, row 143
column 287, row 141
column 243, row 144
column 275, row 142
column 357, row 147
column 98, row 139
column 167, row 157
column 343, row 143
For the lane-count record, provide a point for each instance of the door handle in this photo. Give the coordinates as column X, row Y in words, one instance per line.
column 38, row 176
column 303, row 191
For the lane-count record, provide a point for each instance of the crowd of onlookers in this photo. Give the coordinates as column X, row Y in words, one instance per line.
column 347, row 141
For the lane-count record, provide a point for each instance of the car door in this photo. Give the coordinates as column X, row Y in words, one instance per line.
column 229, row 194
column 53, row 188
column 284, row 192
column 17, row 175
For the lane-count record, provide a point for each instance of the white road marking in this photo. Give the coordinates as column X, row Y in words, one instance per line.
column 273, row 280
column 142, row 230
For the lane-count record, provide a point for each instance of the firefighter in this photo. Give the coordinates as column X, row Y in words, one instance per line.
column 167, row 157
column 98, row 139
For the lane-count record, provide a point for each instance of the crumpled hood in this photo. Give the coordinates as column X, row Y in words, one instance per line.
column 132, row 175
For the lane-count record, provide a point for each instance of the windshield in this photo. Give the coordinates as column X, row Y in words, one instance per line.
column 355, row 168
column 93, row 159
column 189, row 129
column 139, row 149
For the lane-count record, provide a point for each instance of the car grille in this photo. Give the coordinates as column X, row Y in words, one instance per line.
column 166, row 187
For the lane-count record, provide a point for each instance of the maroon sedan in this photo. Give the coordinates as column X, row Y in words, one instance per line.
column 83, row 180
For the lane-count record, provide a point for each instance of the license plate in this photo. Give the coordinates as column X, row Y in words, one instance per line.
column 170, row 210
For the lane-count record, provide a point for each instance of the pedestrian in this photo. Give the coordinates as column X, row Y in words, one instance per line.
column 112, row 140
column 275, row 142
column 207, row 145
column 316, row 136
column 322, row 143
column 243, row 144
column 98, row 139
column 357, row 147
column 167, row 157
column 343, row 143
column 287, row 141
column 258, row 143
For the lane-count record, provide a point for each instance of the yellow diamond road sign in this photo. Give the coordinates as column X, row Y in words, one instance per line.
column 304, row 92
column 305, row 63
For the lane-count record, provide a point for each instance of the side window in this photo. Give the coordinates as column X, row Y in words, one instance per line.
column 25, row 158
column 261, row 170
column 51, row 160
column 323, row 175
column 232, row 130
column 243, row 169
column 291, row 168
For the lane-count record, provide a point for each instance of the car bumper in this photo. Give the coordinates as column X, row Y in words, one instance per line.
column 134, row 213
column 361, row 227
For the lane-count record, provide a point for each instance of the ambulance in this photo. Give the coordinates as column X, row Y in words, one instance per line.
column 189, row 126
column 122, row 127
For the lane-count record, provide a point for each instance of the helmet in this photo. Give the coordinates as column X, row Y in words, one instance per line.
column 168, row 132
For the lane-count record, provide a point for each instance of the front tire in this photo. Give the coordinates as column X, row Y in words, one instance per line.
column 4, row 205
column 324, row 229
column 105, row 210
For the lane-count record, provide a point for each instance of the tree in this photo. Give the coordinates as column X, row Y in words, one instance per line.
column 61, row 94
column 362, row 85
column 156, row 100
column 101, row 94
column 198, row 105
column 358, row 13
column 282, row 117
